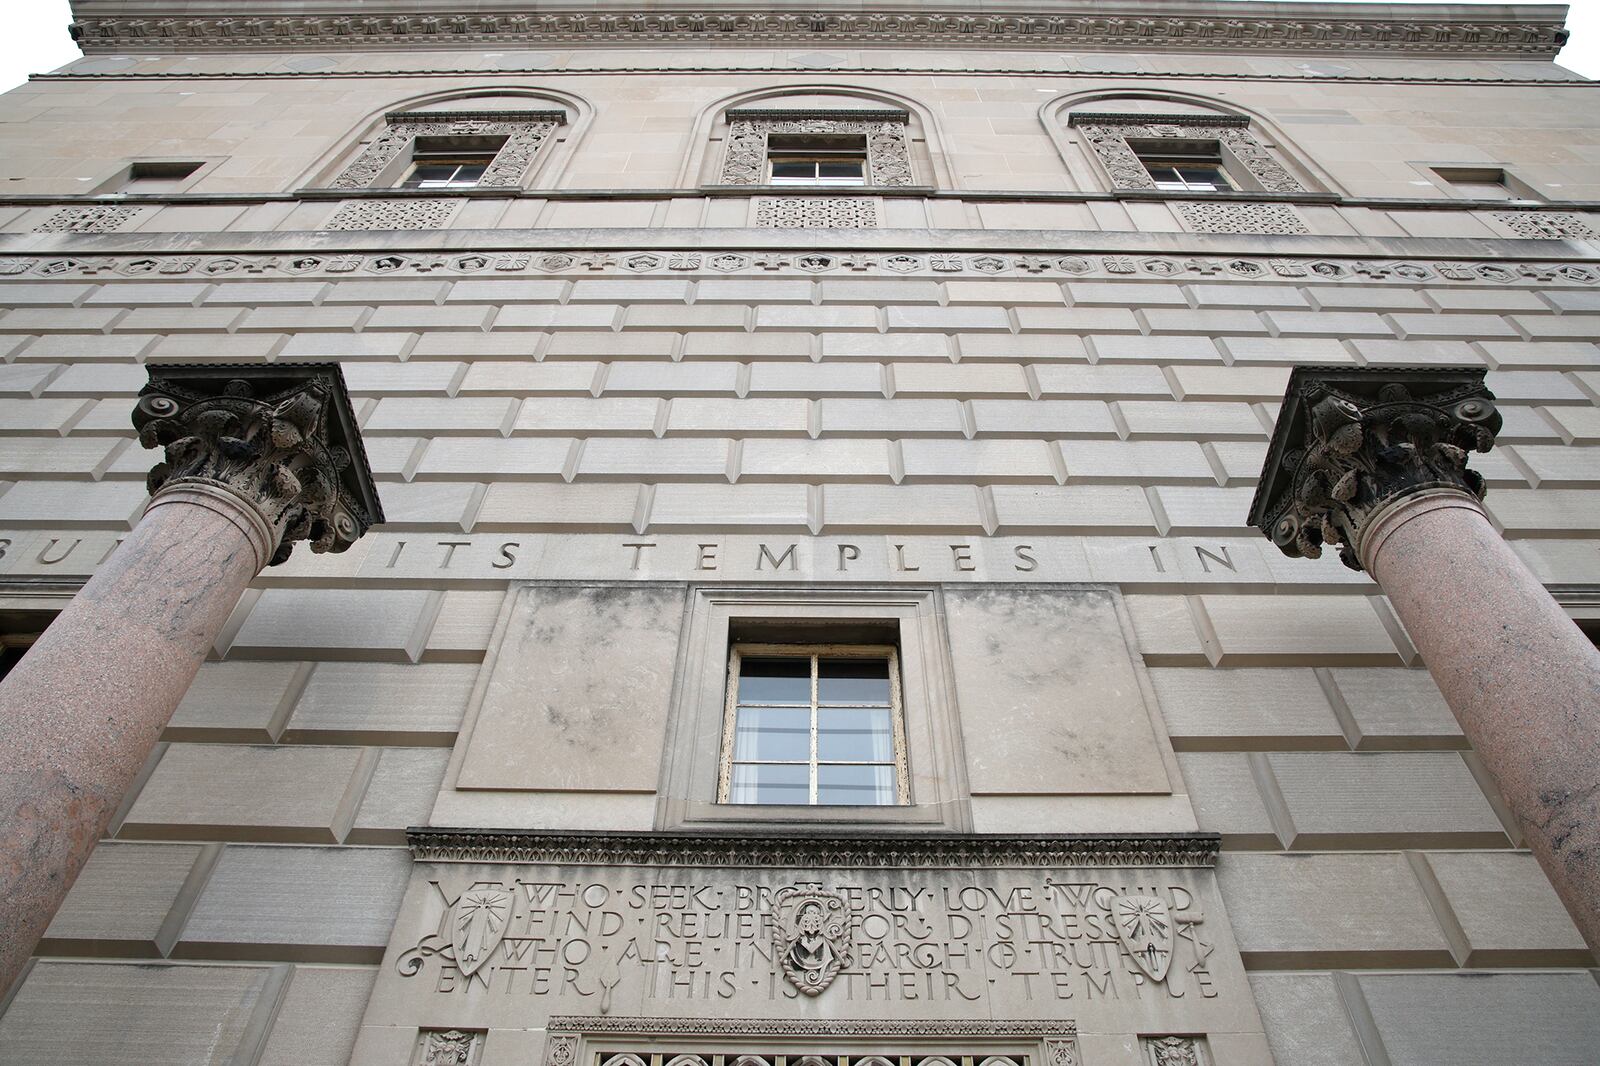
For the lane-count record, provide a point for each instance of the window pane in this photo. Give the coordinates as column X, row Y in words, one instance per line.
column 781, row 733
column 470, row 173
column 775, row 681
column 1204, row 177
column 770, row 784
column 861, row 786
column 782, row 168
column 430, row 172
column 841, row 169
column 855, row 734
column 853, row 681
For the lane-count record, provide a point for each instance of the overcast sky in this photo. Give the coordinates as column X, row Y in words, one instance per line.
column 33, row 37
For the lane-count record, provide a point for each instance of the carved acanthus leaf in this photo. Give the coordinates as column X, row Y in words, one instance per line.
column 1350, row 442
column 282, row 440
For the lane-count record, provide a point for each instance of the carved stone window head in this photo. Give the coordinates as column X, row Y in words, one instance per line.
column 1182, row 153
column 483, row 149
column 771, row 146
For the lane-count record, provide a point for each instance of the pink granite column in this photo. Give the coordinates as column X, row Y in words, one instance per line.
column 244, row 478
column 1522, row 679
column 1374, row 461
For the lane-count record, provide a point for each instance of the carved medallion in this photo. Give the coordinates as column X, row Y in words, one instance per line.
column 811, row 932
column 1143, row 925
column 477, row 923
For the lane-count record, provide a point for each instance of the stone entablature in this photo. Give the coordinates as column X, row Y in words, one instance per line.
column 1310, row 28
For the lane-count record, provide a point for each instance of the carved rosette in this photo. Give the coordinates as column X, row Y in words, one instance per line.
column 281, row 438
column 1350, row 442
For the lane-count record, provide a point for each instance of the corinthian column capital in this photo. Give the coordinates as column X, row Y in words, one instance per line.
column 1350, row 442
column 280, row 441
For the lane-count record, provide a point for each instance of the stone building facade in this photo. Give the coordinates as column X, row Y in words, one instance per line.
column 816, row 617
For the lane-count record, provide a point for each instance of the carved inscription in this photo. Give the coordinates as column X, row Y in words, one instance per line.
column 656, row 941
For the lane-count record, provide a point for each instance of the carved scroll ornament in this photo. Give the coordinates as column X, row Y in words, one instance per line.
column 283, row 439
column 1350, row 442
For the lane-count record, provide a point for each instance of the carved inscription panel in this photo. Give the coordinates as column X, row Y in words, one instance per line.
column 484, row 945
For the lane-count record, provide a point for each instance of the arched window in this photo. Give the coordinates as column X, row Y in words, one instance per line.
column 490, row 141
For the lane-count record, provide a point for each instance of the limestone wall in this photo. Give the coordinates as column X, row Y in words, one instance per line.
column 989, row 389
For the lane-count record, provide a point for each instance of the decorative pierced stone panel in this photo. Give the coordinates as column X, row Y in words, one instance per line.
column 888, row 153
column 1108, row 135
column 393, row 214
column 1547, row 225
column 817, row 212
column 87, row 220
column 525, row 132
column 1232, row 217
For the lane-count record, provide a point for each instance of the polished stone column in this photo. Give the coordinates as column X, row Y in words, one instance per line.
column 1374, row 461
column 256, row 458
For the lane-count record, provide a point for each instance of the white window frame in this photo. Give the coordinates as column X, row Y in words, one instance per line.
column 815, row 653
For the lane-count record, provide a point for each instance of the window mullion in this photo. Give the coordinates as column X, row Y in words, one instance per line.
column 815, row 660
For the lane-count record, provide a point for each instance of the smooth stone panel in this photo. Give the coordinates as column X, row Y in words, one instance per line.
column 360, row 623
column 1302, row 911
column 1050, row 676
column 1306, row 1023
column 593, row 721
column 241, row 701
column 1421, row 799
column 317, row 1021
column 400, row 794
column 207, row 791
column 120, row 901
column 1552, row 1019
column 1226, row 799
column 1397, row 708
column 1223, row 709
column 1507, row 911
column 95, row 1014
column 382, row 703
column 301, row 904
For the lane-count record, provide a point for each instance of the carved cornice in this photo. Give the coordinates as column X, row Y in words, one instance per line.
column 553, row 115
column 888, row 1028
column 1350, row 441
column 1121, row 118
column 782, row 114
column 282, row 438
column 1315, row 29
column 812, row 850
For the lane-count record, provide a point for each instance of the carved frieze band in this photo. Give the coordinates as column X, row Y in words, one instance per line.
column 888, row 154
column 502, row 263
column 897, row 852
column 1108, row 136
column 781, row 24
column 525, row 133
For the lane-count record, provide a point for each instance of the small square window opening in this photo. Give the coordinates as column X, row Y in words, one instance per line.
column 816, row 160
column 158, row 176
column 450, row 162
column 1477, row 183
column 814, row 726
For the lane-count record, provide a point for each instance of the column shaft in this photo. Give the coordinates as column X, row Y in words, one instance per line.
column 83, row 709
column 1522, row 679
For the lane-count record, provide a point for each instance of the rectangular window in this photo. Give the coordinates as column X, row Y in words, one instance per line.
column 1477, row 183
column 450, row 162
column 816, row 160
column 814, row 725
column 1200, row 172
column 157, row 176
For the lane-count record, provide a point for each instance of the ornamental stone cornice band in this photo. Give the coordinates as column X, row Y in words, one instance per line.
column 814, row 850
column 283, row 439
column 1351, row 441
column 1314, row 28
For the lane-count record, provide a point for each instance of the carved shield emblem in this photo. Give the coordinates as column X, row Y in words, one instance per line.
column 1144, row 926
column 477, row 923
column 811, row 933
